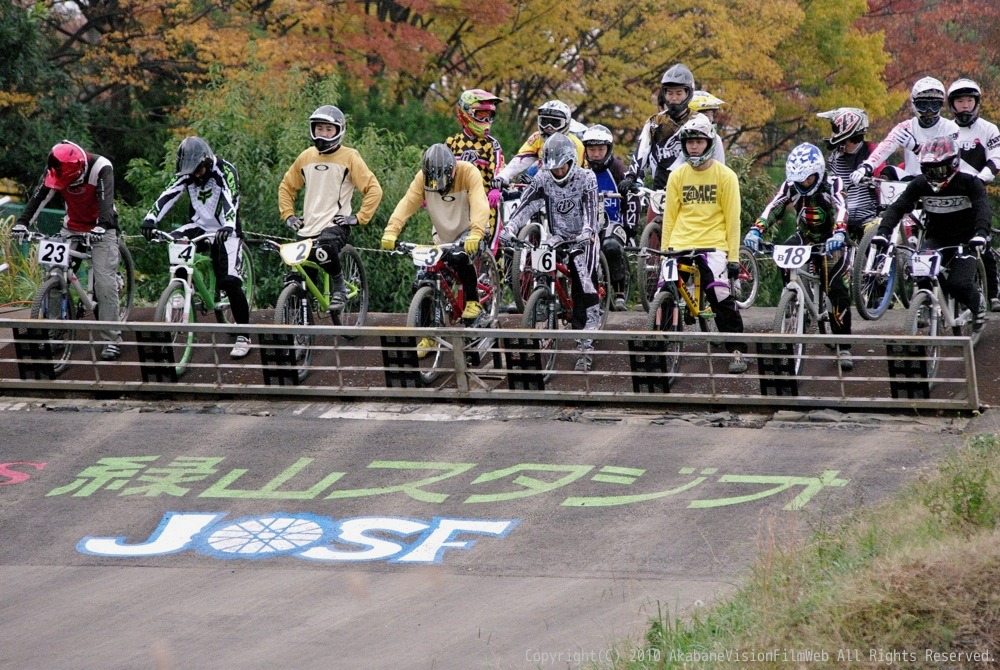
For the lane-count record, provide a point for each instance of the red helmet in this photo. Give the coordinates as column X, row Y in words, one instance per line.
column 476, row 110
column 939, row 161
column 67, row 164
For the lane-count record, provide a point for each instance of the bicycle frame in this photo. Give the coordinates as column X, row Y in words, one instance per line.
column 943, row 305
column 808, row 286
column 68, row 277
column 193, row 273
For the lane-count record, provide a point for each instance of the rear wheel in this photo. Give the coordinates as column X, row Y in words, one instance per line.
column 920, row 320
column 648, row 265
column 605, row 294
column 747, row 283
column 356, row 282
column 789, row 317
column 55, row 303
column 488, row 287
column 292, row 309
column 125, row 276
column 665, row 317
column 540, row 313
column 170, row 309
column 873, row 278
column 524, row 281
column 425, row 312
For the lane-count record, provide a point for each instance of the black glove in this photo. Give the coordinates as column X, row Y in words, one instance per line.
column 293, row 222
column 498, row 182
column 148, row 229
column 977, row 242
column 223, row 234
column 880, row 242
column 627, row 185
column 733, row 270
column 342, row 220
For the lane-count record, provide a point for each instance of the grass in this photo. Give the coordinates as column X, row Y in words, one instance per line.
column 19, row 283
column 919, row 574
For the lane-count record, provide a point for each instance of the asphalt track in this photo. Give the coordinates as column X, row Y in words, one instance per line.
column 366, row 535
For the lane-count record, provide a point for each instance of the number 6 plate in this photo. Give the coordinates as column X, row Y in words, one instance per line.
column 181, row 253
column 53, row 253
column 544, row 259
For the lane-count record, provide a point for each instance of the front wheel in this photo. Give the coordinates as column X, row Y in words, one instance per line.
column 789, row 317
column 921, row 320
column 605, row 293
column 293, row 309
column 426, row 312
column 665, row 317
column 540, row 313
column 873, row 278
column 488, row 287
column 648, row 265
column 54, row 301
column 747, row 283
column 170, row 309
column 125, row 276
column 524, row 281
column 356, row 283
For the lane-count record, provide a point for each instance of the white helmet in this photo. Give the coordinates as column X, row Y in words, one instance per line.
column 553, row 117
column 803, row 161
column 927, row 98
column 698, row 127
column 599, row 135
column 959, row 88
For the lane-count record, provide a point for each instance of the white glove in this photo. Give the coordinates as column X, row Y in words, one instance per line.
column 977, row 241
column 584, row 236
column 97, row 234
column 861, row 173
column 987, row 175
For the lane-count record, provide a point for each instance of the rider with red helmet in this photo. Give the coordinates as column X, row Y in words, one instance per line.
column 476, row 111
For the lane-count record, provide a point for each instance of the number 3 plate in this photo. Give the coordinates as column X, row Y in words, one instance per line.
column 426, row 255
column 53, row 253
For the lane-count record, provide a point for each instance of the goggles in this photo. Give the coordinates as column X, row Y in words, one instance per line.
column 483, row 115
column 937, row 172
column 551, row 122
column 932, row 105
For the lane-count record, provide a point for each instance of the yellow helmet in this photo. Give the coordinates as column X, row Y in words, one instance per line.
column 702, row 101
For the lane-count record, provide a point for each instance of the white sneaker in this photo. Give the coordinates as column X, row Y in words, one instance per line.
column 738, row 365
column 241, row 348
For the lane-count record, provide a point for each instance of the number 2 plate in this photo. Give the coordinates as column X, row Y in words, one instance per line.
column 53, row 253
column 791, row 257
column 181, row 253
column 294, row 253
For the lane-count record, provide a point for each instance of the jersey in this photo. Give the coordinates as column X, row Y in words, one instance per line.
column 953, row 215
column 452, row 214
column 330, row 180
column 483, row 152
column 214, row 204
column 910, row 136
column 88, row 204
column 817, row 216
column 531, row 151
column 979, row 147
column 571, row 207
column 702, row 210
column 861, row 199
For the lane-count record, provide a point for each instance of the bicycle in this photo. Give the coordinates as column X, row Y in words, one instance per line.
column 803, row 299
column 879, row 274
column 647, row 267
column 534, row 233
column 191, row 289
column 305, row 297
column 932, row 311
column 550, row 305
column 62, row 296
column 439, row 299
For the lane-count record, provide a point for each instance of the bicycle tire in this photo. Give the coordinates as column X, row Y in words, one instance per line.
column 524, row 283
column 789, row 317
column 965, row 330
column 424, row 312
column 125, row 276
column 223, row 310
column 355, row 310
column 648, row 267
column 41, row 308
column 747, row 284
column 540, row 313
column 665, row 317
column 488, row 288
column 920, row 321
column 605, row 294
column 288, row 311
column 871, row 292
column 171, row 310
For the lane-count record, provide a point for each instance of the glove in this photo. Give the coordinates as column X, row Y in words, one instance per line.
column 293, row 222
column 977, row 242
column 498, row 183
column 148, row 229
column 506, row 236
column 752, row 240
column 880, row 242
column 472, row 243
column 97, row 234
column 861, row 173
column 835, row 243
column 342, row 220
column 388, row 241
column 222, row 234
column 733, row 270
column 553, row 241
column 585, row 236
column 19, row 231
column 494, row 197
column 986, row 174
column 627, row 185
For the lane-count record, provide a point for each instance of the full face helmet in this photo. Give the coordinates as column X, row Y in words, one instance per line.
column 194, row 153
column 702, row 101
column 332, row 115
column 804, row 161
column 66, row 166
column 476, row 111
column 927, row 99
column 939, row 161
column 698, row 127
column 553, row 117
column 557, row 152
column 846, row 123
column 599, row 136
column 961, row 88
column 680, row 76
column 439, row 168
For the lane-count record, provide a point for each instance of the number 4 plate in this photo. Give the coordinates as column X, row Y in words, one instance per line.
column 181, row 253
column 53, row 253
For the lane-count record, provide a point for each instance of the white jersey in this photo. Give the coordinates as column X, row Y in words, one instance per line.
column 979, row 147
column 911, row 136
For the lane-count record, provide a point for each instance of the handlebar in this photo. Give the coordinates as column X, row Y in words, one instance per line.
column 160, row 236
column 673, row 253
column 407, row 247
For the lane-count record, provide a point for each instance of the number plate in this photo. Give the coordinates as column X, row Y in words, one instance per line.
column 426, row 256
column 791, row 257
column 53, row 253
column 888, row 191
column 181, row 253
column 543, row 259
column 925, row 263
column 668, row 270
column 656, row 201
column 294, row 253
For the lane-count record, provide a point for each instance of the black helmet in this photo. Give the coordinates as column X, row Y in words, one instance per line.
column 332, row 115
column 192, row 154
column 439, row 168
column 964, row 87
column 677, row 75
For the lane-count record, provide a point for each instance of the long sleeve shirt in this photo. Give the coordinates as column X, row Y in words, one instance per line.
column 214, row 204
column 910, row 136
column 89, row 204
column 817, row 216
column 979, row 147
column 462, row 208
column 571, row 207
column 953, row 215
column 330, row 180
column 702, row 210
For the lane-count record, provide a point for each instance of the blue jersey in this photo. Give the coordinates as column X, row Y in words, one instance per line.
column 613, row 206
